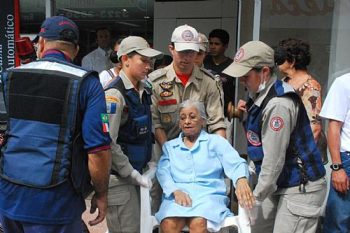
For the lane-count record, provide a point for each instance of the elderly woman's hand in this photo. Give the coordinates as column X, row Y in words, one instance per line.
column 182, row 198
column 244, row 194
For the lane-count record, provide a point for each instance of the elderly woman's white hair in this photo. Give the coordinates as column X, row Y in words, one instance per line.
column 196, row 104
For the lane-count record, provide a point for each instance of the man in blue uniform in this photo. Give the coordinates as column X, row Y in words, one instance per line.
column 291, row 185
column 55, row 138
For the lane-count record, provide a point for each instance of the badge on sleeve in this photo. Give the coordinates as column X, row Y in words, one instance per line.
column 276, row 123
column 111, row 104
column 253, row 138
column 105, row 122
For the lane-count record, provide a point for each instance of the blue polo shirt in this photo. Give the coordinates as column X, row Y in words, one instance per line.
column 61, row 204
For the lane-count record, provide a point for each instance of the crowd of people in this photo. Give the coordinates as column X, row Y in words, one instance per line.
column 92, row 130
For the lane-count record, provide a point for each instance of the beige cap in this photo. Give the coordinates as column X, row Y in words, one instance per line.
column 203, row 42
column 136, row 44
column 185, row 38
column 253, row 54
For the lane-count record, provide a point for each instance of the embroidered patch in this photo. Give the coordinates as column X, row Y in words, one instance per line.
column 105, row 122
column 253, row 138
column 111, row 108
column 187, row 35
column 167, row 102
column 166, row 93
column 112, row 99
column 276, row 123
column 166, row 85
column 239, row 55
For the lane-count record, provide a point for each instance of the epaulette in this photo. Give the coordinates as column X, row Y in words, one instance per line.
column 207, row 72
column 157, row 74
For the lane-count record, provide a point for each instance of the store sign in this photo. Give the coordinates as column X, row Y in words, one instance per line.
column 9, row 31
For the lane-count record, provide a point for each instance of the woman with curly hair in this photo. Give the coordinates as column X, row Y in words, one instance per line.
column 292, row 56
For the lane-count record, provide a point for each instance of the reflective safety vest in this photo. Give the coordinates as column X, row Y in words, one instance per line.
column 135, row 136
column 303, row 159
column 42, row 103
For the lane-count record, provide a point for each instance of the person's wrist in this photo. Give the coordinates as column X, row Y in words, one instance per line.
column 336, row 166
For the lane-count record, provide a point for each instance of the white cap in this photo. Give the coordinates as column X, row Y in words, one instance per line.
column 185, row 38
column 137, row 44
column 203, row 42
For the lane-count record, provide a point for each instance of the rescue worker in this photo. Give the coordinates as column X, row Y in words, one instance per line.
column 128, row 101
column 291, row 185
column 179, row 81
column 182, row 80
column 54, row 138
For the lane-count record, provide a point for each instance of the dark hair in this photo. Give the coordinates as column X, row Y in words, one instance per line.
column 293, row 50
column 114, row 56
column 102, row 29
column 221, row 34
column 164, row 61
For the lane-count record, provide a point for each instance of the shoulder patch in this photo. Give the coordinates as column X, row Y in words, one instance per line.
column 112, row 99
column 207, row 72
column 157, row 74
column 276, row 123
column 111, row 104
column 253, row 138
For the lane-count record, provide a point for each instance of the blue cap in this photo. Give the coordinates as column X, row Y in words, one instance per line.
column 53, row 27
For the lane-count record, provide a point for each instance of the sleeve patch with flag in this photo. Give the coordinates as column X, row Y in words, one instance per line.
column 111, row 104
column 105, row 122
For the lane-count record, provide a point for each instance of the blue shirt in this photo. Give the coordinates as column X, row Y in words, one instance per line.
column 199, row 172
column 61, row 204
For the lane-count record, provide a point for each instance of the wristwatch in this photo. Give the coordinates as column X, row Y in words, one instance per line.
column 336, row 166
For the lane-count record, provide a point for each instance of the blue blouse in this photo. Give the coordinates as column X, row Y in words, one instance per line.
column 200, row 172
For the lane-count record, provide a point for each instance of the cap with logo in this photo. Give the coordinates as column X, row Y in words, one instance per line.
column 203, row 42
column 185, row 38
column 139, row 45
column 254, row 54
column 52, row 28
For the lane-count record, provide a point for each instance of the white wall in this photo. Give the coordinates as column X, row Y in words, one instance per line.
column 202, row 15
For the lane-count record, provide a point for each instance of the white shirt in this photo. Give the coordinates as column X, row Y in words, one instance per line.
column 337, row 107
column 105, row 77
column 97, row 60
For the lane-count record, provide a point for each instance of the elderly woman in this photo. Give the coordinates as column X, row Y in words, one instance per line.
column 191, row 172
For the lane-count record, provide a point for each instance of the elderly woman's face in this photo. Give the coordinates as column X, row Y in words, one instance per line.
column 190, row 121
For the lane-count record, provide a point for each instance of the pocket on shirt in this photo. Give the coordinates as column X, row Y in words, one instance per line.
column 168, row 115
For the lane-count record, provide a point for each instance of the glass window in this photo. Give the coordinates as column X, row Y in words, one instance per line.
column 122, row 18
column 307, row 20
column 32, row 14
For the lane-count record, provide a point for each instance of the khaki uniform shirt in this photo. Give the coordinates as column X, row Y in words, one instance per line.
column 169, row 92
column 117, row 116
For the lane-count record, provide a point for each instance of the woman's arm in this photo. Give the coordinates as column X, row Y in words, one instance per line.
column 164, row 176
